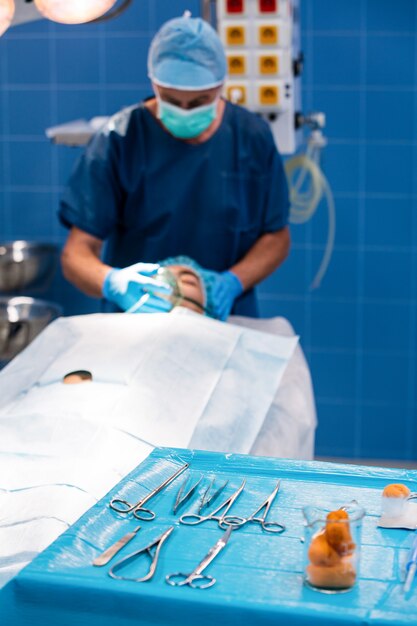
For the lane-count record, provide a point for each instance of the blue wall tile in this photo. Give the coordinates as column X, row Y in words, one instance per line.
column 390, row 60
column 388, row 16
column 389, row 115
column 344, row 69
column 388, row 433
column 291, row 277
column 389, row 169
column 126, row 60
column 27, row 210
column 334, row 375
column 385, row 379
column 68, row 72
column 386, row 326
column 28, row 61
column 30, row 163
column 20, row 123
column 327, row 17
column 387, row 275
column 334, row 325
column 74, row 104
column 388, row 222
column 336, row 432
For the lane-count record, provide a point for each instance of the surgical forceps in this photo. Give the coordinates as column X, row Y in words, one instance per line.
column 270, row 527
column 188, row 579
column 208, row 497
column 147, row 550
column 193, row 518
column 138, row 511
column 182, row 497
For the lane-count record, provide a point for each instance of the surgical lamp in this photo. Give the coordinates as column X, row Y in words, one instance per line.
column 6, row 14
column 14, row 12
column 74, row 12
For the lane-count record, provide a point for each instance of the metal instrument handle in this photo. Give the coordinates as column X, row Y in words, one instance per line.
column 197, row 519
column 188, row 579
column 149, row 515
column 108, row 554
column 269, row 527
column 115, row 501
column 235, row 521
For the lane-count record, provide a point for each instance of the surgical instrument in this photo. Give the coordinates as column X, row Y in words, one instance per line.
column 271, row 527
column 108, row 554
column 146, row 550
column 138, row 506
column 207, row 499
column 411, row 565
column 181, row 499
column 193, row 518
column 188, row 579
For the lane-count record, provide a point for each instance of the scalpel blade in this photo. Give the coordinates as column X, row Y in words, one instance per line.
column 108, row 554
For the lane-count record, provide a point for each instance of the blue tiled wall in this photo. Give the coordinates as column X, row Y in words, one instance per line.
column 359, row 329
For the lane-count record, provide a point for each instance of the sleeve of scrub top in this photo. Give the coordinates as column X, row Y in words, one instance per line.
column 277, row 204
column 93, row 195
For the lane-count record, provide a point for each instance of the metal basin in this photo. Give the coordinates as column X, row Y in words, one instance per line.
column 26, row 265
column 21, row 319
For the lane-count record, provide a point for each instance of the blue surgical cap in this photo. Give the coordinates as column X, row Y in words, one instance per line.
column 207, row 278
column 186, row 53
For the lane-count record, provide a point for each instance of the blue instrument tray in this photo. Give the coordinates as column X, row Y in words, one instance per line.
column 259, row 575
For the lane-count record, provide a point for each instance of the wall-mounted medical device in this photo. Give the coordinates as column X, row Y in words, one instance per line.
column 262, row 44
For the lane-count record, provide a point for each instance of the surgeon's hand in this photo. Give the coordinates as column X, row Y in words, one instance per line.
column 227, row 287
column 134, row 290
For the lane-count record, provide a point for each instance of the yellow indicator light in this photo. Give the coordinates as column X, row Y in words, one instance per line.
column 269, row 64
column 236, row 64
column 268, row 35
column 269, row 95
column 236, row 94
column 235, row 35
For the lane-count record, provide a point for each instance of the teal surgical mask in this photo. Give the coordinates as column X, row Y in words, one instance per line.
column 186, row 123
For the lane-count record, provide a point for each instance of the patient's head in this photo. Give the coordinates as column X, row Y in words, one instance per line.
column 188, row 290
column 191, row 284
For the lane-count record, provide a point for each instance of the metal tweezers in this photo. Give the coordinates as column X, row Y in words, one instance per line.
column 181, row 499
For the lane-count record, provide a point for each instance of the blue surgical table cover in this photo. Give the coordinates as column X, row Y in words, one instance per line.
column 259, row 575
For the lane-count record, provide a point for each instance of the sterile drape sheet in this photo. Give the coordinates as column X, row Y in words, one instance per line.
column 158, row 380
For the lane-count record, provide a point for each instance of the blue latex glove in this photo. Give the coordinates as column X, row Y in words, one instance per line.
column 135, row 291
column 226, row 288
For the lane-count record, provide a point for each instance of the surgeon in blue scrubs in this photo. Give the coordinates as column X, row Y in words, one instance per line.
column 182, row 173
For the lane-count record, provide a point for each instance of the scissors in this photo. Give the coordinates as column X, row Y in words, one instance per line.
column 270, row 527
column 122, row 506
column 192, row 519
column 180, row 579
column 147, row 550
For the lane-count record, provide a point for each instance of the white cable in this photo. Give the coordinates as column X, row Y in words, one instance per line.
column 302, row 168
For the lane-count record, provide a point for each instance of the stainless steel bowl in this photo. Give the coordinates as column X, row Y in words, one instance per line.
column 26, row 265
column 21, row 319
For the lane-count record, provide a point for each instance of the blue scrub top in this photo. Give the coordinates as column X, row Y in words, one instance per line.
column 152, row 196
